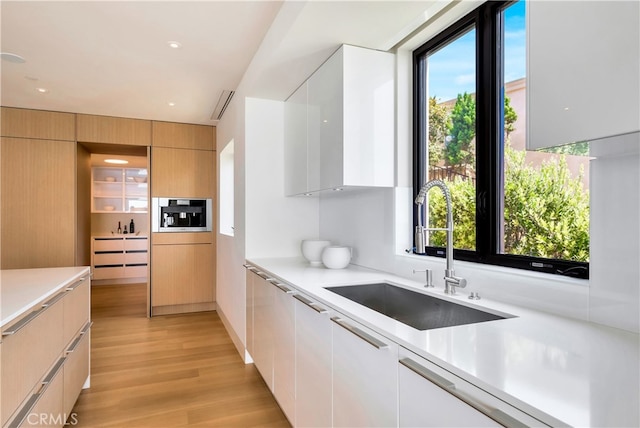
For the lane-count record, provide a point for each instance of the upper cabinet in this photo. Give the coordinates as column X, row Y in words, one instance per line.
column 339, row 124
column 38, row 124
column 183, row 136
column 583, row 71
column 119, row 190
column 113, row 130
column 182, row 173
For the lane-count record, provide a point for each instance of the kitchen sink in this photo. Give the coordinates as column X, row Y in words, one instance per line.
column 417, row 310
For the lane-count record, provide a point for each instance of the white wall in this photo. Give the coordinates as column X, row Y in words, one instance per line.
column 615, row 237
column 275, row 224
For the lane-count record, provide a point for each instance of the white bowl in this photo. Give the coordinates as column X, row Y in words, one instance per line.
column 109, row 208
column 140, row 179
column 336, row 257
column 312, row 250
column 110, row 179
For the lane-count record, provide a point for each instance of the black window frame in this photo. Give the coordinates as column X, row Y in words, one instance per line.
column 487, row 20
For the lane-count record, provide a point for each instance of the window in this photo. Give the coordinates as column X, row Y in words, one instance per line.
column 511, row 207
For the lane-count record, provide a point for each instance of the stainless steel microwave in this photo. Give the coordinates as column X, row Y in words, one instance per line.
column 181, row 215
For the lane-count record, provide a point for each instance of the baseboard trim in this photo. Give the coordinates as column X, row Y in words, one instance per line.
column 234, row 337
column 183, row 309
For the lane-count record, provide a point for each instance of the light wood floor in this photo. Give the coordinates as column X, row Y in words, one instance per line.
column 168, row 371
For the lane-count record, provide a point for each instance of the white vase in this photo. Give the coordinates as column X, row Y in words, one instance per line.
column 336, row 257
column 312, row 250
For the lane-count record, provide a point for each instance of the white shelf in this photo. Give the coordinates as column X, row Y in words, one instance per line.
column 123, row 189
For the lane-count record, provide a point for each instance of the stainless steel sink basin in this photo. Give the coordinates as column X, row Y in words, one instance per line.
column 417, row 310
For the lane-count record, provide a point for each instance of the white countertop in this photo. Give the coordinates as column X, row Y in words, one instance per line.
column 559, row 370
column 21, row 289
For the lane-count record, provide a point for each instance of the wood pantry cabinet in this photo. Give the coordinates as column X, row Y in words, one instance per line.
column 38, row 124
column 118, row 257
column 183, row 136
column 182, row 173
column 182, row 273
column 38, row 202
column 113, row 130
column 45, row 358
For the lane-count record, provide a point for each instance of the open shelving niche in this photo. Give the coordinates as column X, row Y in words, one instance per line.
column 123, row 190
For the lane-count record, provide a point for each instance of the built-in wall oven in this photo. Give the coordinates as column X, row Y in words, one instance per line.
column 181, row 215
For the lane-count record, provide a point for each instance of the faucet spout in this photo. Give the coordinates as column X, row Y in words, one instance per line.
column 450, row 279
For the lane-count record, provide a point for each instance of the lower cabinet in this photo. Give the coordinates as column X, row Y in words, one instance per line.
column 429, row 396
column 274, row 338
column 365, row 376
column 327, row 370
column 182, row 278
column 45, row 359
column 313, row 364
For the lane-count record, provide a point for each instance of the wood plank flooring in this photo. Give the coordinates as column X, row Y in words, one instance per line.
column 167, row 371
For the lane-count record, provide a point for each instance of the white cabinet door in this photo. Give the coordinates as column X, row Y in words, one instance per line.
column 313, row 364
column 583, row 73
column 250, row 278
column 326, row 121
column 263, row 327
column 295, row 142
column 429, row 396
column 284, row 357
column 365, row 377
column 347, row 106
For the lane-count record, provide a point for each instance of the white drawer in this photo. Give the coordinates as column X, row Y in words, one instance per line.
column 103, row 259
column 108, row 244
column 135, row 244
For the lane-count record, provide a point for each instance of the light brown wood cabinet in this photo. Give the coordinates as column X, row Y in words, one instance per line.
column 38, row 124
column 38, row 203
column 182, row 173
column 113, row 130
column 182, row 278
column 183, row 136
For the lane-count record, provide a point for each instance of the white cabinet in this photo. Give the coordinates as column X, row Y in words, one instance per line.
column 284, row 350
column 583, row 73
column 46, row 358
column 263, row 323
column 119, row 190
column 119, row 257
column 250, row 278
column 313, row 364
column 297, row 179
column 429, row 396
column 349, row 123
column 365, row 376
column 274, row 338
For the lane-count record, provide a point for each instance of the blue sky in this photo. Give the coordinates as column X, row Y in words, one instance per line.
column 452, row 69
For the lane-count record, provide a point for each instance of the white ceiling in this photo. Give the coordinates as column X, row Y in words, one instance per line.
column 112, row 58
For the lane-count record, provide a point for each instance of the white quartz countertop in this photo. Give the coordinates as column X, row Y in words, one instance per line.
column 22, row 289
column 559, row 370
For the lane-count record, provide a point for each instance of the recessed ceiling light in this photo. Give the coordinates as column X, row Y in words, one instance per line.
column 171, row 103
column 174, row 44
column 42, row 90
column 116, row 161
column 10, row 57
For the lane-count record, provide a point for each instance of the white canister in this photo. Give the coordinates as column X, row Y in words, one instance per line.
column 336, row 257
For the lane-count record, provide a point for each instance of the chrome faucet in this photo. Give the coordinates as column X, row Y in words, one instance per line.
column 451, row 281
